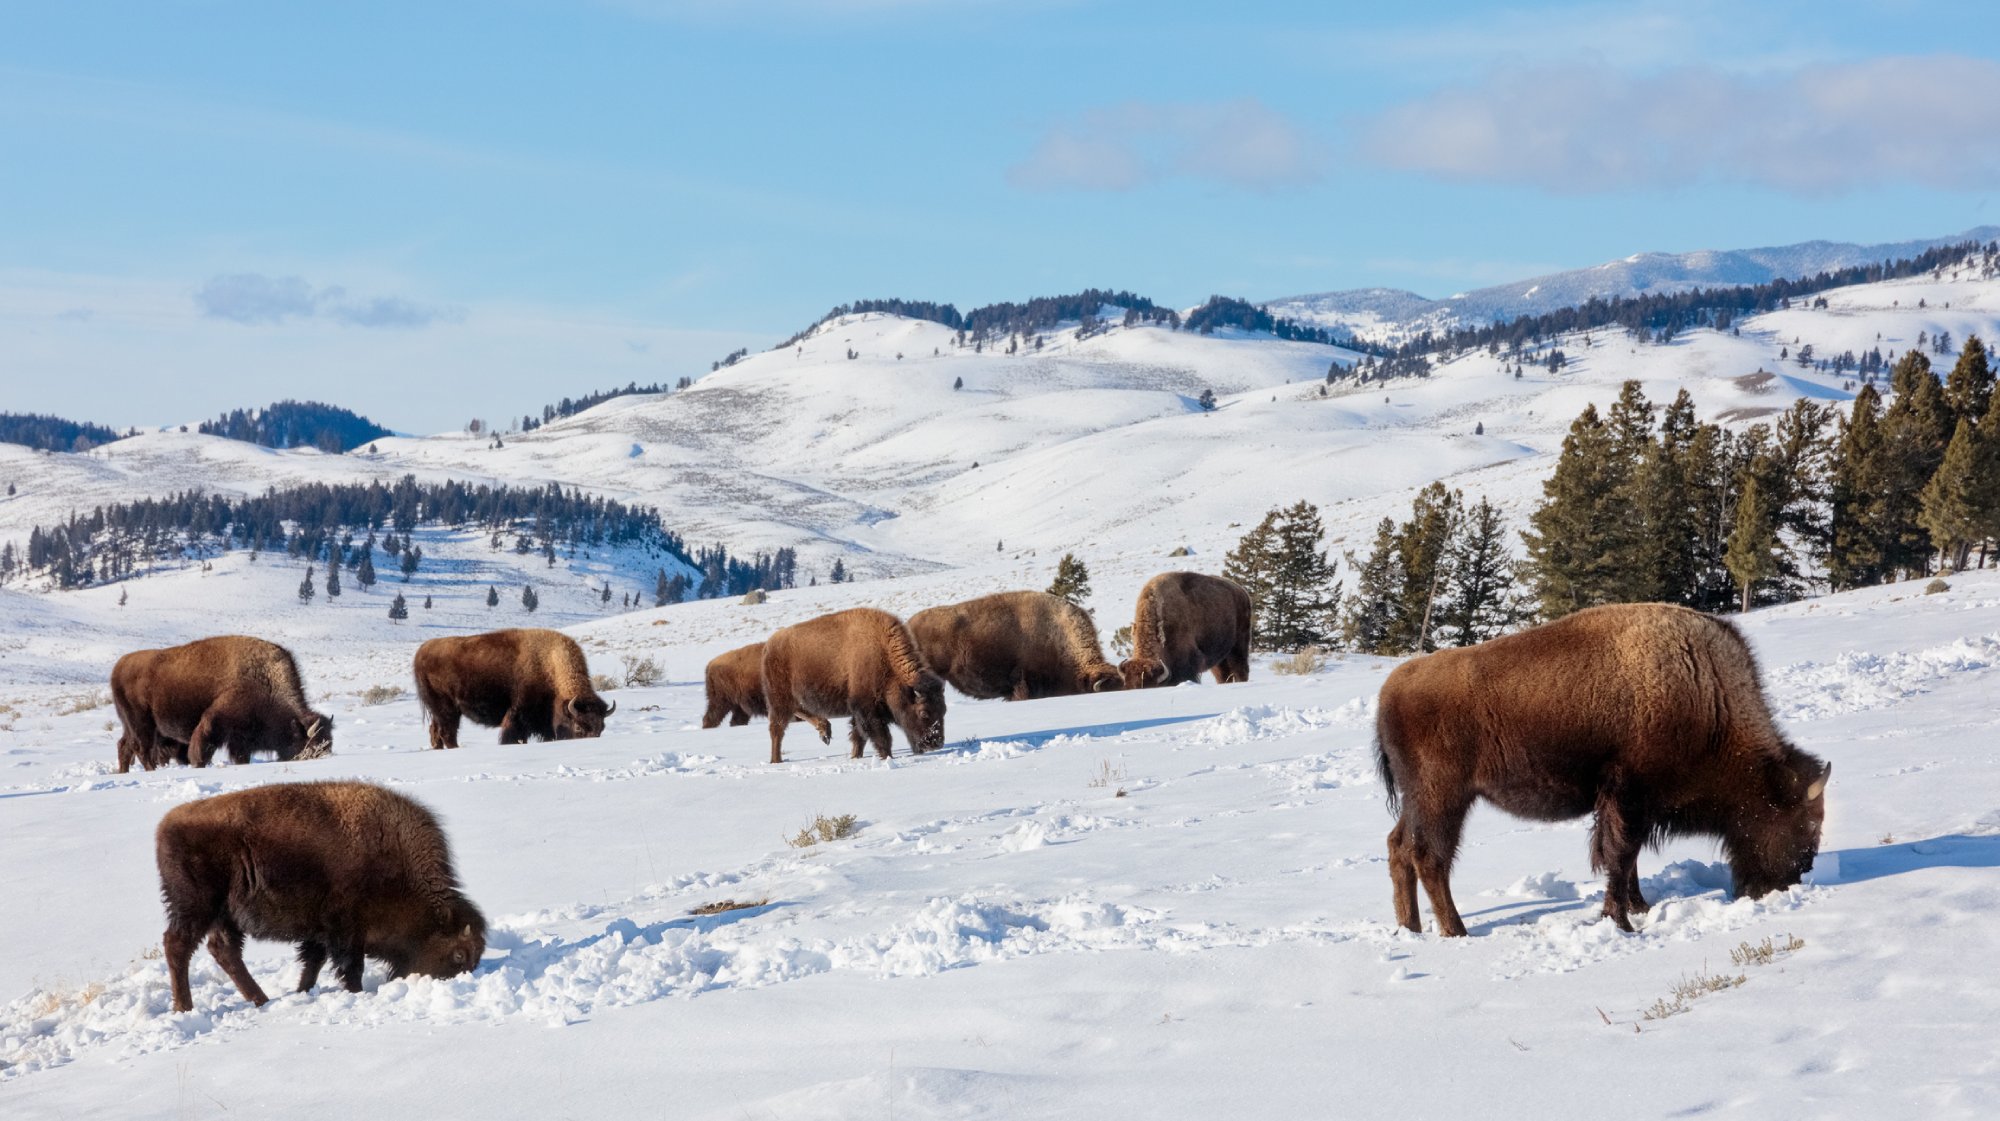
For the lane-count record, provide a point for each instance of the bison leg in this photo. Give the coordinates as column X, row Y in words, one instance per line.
column 347, row 963
column 738, row 718
column 179, row 946
column 1433, row 839
column 312, row 958
column 126, row 753
column 1403, row 878
column 444, row 730
column 876, row 726
column 511, row 730
column 854, row 737
column 199, row 747
column 1615, row 840
column 821, row 725
column 225, row 943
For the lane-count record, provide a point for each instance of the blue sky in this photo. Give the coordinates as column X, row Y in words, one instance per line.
column 429, row 212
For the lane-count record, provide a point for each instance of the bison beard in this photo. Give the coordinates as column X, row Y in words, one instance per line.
column 734, row 684
column 346, row 870
column 1015, row 645
column 862, row 664
column 185, row 702
column 1650, row 716
column 1187, row 624
column 532, row 683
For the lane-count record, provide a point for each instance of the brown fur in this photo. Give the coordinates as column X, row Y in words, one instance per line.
column 735, row 686
column 1648, row 715
column 233, row 691
column 862, row 664
column 530, row 682
column 344, row 869
column 1017, row 645
column 1186, row 624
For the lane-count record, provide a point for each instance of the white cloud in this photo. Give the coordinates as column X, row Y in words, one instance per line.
column 1242, row 143
column 255, row 299
column 1933, row 121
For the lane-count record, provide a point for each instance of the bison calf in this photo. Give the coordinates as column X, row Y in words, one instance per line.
column 233, row 692
column 530, row 682
column 1186, row 624
column 1017, row 645
column 345, row 869
column 862, row 664
column 735, row 687
column 1648, row 715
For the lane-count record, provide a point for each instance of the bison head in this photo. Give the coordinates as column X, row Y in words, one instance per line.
column 451, row 949
column 1778, row 836
column 1142, row 673
column 1103, row 679
column 315, row 735
column 582, row 718
column 919, row 711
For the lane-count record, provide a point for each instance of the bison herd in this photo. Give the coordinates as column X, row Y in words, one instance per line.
column 1650, row 718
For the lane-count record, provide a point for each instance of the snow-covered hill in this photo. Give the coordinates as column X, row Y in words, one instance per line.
column 1390, row 314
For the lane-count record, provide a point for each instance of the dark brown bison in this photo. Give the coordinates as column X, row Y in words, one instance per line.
column 1648, row 715
column 862, row 664
column 345, row 869
column 735, row 684
column 532, row 683
column 1187, row 624
column 232, row 692
column 1017, row 645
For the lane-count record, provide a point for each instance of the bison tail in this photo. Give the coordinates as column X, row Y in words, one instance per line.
column 1387, row 774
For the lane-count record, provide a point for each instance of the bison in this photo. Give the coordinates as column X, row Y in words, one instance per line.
column 232, row 692
column 862, row 664
column 735, row 685
column 345, row 869
column 532, row 683
column 1186, row 624
column 1651, row 716
column 1018, row 645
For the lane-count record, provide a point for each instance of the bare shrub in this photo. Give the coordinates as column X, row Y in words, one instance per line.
column 1121, row 642
column 603, row 682
column 642, row 672
column 823, row 828
column 380, row 694
column 724, row 905
column 1936, row 586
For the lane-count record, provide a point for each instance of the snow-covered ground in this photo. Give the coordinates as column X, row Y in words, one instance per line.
column 1006, row 935
column 1169, row 903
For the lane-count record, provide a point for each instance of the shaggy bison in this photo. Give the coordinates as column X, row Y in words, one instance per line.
column 862, row 664
column 532, row 683
column 1187, row 624
column 234, row 691
column 345, row 869
column 735, row 684
column 1017, row 645
column 1648, row 715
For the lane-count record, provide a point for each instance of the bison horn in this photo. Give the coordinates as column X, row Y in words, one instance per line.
column 312, row 729
column 1818, row 786
column 613, row 707
column 467, row 932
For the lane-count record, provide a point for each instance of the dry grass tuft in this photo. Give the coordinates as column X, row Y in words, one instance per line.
column 1765, row 952
column 380, row 694
column 823, row 828
column 603, row 682
column 1108, row 775
column 1310, row 659
column 720, row 906
column 1690, row 989
column 1936, row 586
column 83, row 702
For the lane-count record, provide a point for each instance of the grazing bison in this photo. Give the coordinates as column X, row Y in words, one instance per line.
column 735, row 683
column 1649, row 715
column 345, row 869
column 1017, row 645
column 234, row 691
column 1187, row 624
column 862, row 664
column 532, row 683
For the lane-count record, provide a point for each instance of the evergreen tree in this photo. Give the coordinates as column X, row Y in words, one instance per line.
column 1206, row 400
column 333, row 580
column 1481, row 602
column 1294, row 598
column 1422, row 543
column 1950, row 500
column 1915, row 429
column 1572, row 540
column 604, row 597
column 123, row 593
column 839, row 573
column 1072, row 580
column 660, row 589
column 492, row 596
column 398, row 610
column 958, row 383
column 365, row 574
column 529, row 600
column 1753, row 543
column 427, row 603
column 1370, row 612
column 1969, row 389
column 306, row 589
column 1859, row 547
column 413, row 555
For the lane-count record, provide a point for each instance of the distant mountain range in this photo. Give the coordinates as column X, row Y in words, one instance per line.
column 1389, row 314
